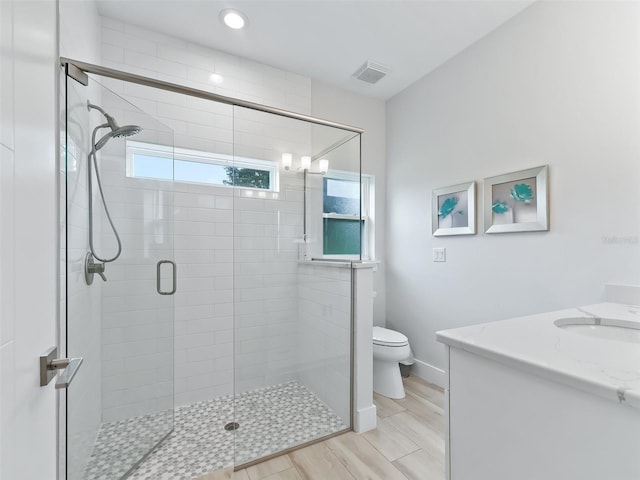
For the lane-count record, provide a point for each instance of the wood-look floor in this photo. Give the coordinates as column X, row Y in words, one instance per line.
column 408, row 444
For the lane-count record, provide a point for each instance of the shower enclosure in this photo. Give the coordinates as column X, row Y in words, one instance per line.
column 222, row 334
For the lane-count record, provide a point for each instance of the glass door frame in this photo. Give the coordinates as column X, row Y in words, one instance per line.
column 162, row 423
column 78, row 71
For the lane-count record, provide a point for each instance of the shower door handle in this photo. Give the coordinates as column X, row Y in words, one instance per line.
column 50, row 366
column 174, row 276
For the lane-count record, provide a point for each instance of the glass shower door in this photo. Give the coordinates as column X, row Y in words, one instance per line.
column 292, row 311
column 120, row 318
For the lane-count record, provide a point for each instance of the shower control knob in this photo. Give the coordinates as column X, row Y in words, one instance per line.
column 97, row 268
column 91, row 268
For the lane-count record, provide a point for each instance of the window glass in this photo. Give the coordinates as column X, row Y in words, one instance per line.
column 199, row 172
column 342, row 228
column 146, row 160
column 145, row 166
column 342, row 237
column 341, row 196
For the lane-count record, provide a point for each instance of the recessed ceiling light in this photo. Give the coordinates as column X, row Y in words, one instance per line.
column 216, row 78
column 233, row 18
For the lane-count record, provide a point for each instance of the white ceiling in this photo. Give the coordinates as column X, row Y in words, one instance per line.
column 329, row 39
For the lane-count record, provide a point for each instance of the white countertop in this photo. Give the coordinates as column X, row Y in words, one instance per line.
column 608, row 368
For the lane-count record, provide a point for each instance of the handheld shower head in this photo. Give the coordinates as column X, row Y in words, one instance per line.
column 127, row 131
column 116, row 130
column 119, row 132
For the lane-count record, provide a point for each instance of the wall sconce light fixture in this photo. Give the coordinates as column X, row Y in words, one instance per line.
column 305, row 164
column 286, row 160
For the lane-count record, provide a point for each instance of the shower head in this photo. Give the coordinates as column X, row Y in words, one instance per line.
column 116, row 130
column 126, row 131
column 120, row 132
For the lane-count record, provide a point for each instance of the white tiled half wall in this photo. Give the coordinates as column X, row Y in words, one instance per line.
column 324, row 310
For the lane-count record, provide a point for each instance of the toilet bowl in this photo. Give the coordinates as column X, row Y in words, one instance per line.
column 389, row 348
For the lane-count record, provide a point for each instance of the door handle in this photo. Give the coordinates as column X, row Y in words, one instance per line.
column 49, row 366
column 158, row 287
column 70, row 366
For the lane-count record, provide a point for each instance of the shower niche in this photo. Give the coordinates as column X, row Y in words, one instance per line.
column 220, row 335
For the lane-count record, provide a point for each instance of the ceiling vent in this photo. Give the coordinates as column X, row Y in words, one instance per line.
column 371, row 72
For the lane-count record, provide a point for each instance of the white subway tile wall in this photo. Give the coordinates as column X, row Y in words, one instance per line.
column 137, row 322
column 138, row 50
column 224, row 239
column 324, row 311
column 266, row 323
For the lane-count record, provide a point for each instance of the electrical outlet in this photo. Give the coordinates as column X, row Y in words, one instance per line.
column 440, row 254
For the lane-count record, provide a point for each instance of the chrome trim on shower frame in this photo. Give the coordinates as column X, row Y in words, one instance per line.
column 73, row 65
column 78, row 71
column 77, row 74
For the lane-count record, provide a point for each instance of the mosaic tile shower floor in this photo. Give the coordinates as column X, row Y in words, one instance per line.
column 271, row 419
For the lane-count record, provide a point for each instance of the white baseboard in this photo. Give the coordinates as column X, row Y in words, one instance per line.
column 429, row 373
column 365, row 419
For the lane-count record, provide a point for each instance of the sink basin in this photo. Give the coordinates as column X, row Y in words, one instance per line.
column 603, row 328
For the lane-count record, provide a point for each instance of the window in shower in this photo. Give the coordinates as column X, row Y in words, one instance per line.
column 148, row 160
column 345, row 231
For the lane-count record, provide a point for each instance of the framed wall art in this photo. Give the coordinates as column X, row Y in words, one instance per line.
column 454, row 210
column 517, row 202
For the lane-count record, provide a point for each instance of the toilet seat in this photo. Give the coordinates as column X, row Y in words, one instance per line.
column 388, row 338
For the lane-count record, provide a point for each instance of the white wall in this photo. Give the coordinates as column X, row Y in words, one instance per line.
column 7, row 245
column 79, row 30
column 367, row 113
column 558, row 85
column 28, row 233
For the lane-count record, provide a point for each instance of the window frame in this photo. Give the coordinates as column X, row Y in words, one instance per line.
column 367, row 196
column 199, row 156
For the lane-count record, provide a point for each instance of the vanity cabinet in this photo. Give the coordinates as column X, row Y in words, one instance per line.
column 509, row 421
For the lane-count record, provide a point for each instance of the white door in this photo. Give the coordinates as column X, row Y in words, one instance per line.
column 28, row 236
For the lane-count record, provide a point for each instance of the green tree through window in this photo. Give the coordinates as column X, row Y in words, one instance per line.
column 247, row 177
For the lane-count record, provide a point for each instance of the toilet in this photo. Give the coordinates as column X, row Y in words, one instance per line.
column 389, row 348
